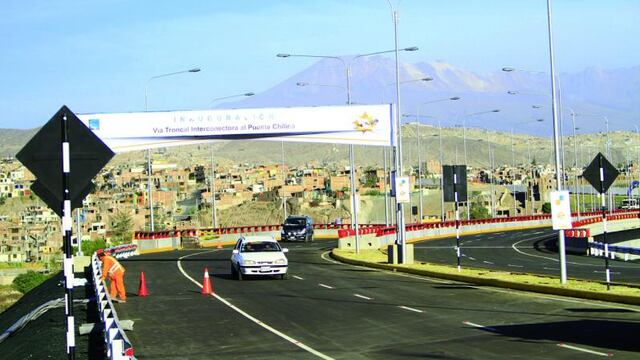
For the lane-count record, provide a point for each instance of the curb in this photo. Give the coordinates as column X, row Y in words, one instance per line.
column 582, row 294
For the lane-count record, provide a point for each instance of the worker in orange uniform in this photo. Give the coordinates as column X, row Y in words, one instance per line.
column 112, row 268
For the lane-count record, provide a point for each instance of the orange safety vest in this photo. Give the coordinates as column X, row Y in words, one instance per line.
column 111, row 267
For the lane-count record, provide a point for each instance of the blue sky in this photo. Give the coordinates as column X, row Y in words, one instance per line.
column 97, row 56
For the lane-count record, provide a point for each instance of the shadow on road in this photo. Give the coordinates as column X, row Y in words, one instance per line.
column 618, row 335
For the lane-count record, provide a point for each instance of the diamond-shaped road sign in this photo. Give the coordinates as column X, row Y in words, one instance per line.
column 42, row 155
column 592, row 173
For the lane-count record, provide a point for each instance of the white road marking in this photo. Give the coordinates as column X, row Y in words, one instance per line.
column 515, row 266
column 253, row 319
column 362, row 297
column 326, row 286
column 548, row 268
column 410, row 309
column 488, row 262
column 604, row 272
column 472, row 258
column 584, row 350
column 297, row 277
column 478, row 326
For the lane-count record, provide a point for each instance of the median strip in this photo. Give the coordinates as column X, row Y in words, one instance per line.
column 512, row 280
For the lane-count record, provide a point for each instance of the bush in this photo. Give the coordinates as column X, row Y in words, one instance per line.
column 546, row 208
column 373, row 193
column 25, row 282
column 90, row 246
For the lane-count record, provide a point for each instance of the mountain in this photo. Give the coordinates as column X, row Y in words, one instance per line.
column 593, row 94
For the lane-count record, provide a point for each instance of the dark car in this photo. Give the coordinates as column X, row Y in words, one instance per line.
column 297, row 228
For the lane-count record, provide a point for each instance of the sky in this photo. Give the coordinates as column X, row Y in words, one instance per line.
column 99, row 56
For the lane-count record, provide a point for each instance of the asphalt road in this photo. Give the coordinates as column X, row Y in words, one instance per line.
column 331, row 310
column 531, row 251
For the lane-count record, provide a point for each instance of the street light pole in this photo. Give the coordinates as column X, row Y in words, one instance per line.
column 347, row 66
column 146, row 108
column 214, row 217
column 556, row 143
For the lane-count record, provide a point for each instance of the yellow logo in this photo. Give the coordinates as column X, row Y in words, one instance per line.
column 365, row 123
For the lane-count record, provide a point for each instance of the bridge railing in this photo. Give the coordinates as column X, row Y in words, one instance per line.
column 116, row 341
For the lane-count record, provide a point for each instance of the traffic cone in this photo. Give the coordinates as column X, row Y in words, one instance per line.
column 207, row 289
column 142, row 289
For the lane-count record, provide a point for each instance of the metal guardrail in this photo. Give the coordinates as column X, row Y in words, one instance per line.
column 117, row 343
column 598, row 249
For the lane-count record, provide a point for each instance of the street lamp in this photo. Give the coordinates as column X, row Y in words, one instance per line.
column 464, row 143
column 214, row 218
column 146, row 108
column 347, row 66
column 513, row 165
column 417, row 116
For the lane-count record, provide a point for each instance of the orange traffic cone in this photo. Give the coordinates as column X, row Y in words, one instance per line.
column 207, row 289
column 142, row 289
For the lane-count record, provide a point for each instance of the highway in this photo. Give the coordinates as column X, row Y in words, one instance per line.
column 330, row 310
column 531, row 251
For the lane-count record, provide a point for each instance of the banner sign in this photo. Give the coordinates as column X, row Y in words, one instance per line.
column 402, row 189
column 560, row 210
column 355, row 124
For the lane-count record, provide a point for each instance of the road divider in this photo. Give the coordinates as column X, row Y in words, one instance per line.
column 511, row 280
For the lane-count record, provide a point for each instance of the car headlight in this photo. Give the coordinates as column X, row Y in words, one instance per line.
column 281, row 261
column 248, row 262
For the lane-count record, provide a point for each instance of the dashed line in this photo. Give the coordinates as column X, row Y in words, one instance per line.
column 297, row 277
column 251, row 318
column 326, row 286
column 562, row 345
column 548, row 268
column 472, row 258
column 478, row 326
column 515, row 266
column 362, row 297
column 488, row 262
column 410, row 309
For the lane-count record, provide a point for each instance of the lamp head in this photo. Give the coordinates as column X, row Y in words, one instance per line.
column 283, row 55
column 194, row 70
column 413, row 48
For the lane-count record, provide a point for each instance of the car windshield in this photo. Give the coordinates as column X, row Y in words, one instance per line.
column 294, row 221
column 260, row 246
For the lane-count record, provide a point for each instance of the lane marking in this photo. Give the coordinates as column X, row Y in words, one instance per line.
column 253, row 319
column 362, row 297
column 472, row 258
column 410, row 309
column 326, row 286
column 563, row 345
column 604, row 272
column 548, row 268
column 297, row 277
column 515, row 266
column 469, row 323
column 488, row 262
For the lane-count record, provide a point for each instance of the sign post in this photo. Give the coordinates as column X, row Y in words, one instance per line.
column 49, row 156
column 601, row 175
column 455, row 190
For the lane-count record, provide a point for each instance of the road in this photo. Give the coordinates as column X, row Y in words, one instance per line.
column 531, row 251
column 335, row 311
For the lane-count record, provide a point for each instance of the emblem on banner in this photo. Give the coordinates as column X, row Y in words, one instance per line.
column 365, row 123
column 94, row 124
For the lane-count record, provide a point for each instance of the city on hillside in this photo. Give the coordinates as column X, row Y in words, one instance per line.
column 253, row 194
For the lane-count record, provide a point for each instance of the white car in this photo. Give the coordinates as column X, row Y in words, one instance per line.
column 260, row 256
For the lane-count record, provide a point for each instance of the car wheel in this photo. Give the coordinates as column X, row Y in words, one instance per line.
column 282, row 276
column 239, row 274
column 233, row 272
